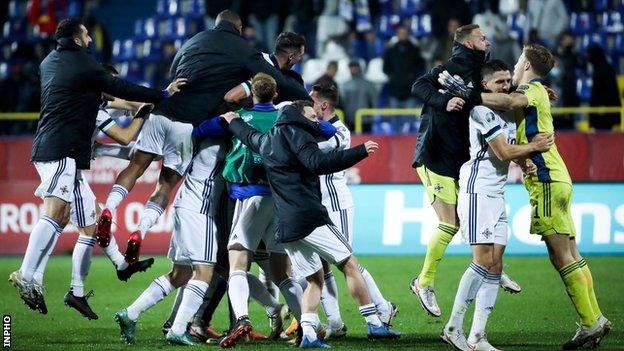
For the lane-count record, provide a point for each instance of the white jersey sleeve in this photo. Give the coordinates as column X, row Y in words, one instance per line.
column 103, row 122
column 335, row 193
column 486, row 122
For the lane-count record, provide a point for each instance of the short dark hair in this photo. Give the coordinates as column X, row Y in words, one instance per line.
column 493, row 65
column 228, row 16
column 300, row 104
column 328, row 92
column 541, row 60
column 68, row 28
column 288, row 41
column 463, row 32
column 110, row 68
column 332, row 63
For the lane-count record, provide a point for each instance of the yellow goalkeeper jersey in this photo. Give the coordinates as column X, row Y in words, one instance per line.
column 536, row 118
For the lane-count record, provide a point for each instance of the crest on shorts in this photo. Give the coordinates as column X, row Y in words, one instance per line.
column 438, row 187
column 64, row 189
column 487, row 233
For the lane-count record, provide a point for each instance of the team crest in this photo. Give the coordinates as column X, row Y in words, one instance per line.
column 438, row 187
column 64, row 189
column 487, row 233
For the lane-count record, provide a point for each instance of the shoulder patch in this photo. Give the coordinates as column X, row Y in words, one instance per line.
column 489, row 116
column 522, row 88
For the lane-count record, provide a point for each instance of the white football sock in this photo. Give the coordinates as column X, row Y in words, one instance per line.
column 238, row 292
column 115, row 197
column 329, row 300
column 38, row 275
column 193, row 297
column 176, row 304
column 370, row 314
column 466, row 291
column 149, row 217
column 81, row 261
column 293, row 293
column 383, row 306
column 310, row 323
column 267, row 281
column 484, row 304
column 155, row 292
column 114, row 255
column 259, row 292
column 40, row 245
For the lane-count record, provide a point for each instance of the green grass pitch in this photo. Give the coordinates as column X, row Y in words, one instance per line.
column 540, row 318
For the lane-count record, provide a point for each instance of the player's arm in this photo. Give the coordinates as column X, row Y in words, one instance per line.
column 125, row 135
column 290, row 89
column 316, row 161
column 239, row 92
column 501, row 101
column 338, row 141
column 122, row 104
column 214, row 127
column 507, row 152
column 426, row 88
column 247, row 134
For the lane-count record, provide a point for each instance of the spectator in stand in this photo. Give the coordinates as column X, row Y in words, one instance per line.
column 504, row 47
column 546, row 20
column 330, row 73
column 305, row 13
column 366, row 45
column 263, row 15
column 605, row 90
column 45, row 14
column 357, row 93
column 252, row 38
column 403, row 64
column 162, row 74
column 443, row 11
column 443, row 46
column 568, row 62
column 101, row 41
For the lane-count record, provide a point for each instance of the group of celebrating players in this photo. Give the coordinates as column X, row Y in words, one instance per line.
column 262, row 167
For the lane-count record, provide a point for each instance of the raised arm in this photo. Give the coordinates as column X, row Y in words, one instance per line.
column 289, row 88
column 244, row 132
column 125, row 135
column 501, row 101
column 426, row 89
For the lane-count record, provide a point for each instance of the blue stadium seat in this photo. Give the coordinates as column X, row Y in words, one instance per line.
column 161, row 7
column 151, row 50
column 17, row 9
column 583, row 87
column 123, row 50
column 150, row 27
column 618, row 45
column 611, row 22
column 412, row 7
column 199, row 7
column 581, row 23
column 594, row 38
column 388, row 25
column 74, row 8
column 421, row 26
column 173, row 8
column 15, row 29
column 166, row 28
column 386, row 8
column 516, row 25
column 139, row 29
column 601, row 5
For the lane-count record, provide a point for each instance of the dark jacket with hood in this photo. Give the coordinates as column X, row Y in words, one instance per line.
column 443, row 139
column 215, row 61
column 72, row 82
column 293, row 163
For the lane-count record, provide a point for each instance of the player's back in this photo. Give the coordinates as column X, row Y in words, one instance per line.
column 484, row 173
column 537, row 118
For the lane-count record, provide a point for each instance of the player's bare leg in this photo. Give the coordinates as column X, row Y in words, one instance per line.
column 29, row 278
column 154, row 208
column 123, row 185
column 155, row 292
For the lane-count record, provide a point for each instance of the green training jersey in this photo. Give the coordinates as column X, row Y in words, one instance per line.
column 241, row 164
column 536, row 118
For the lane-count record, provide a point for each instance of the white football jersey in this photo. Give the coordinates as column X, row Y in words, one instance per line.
column 103, row 122
column 195, row 192
column 484, row 173
column 334, row 190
